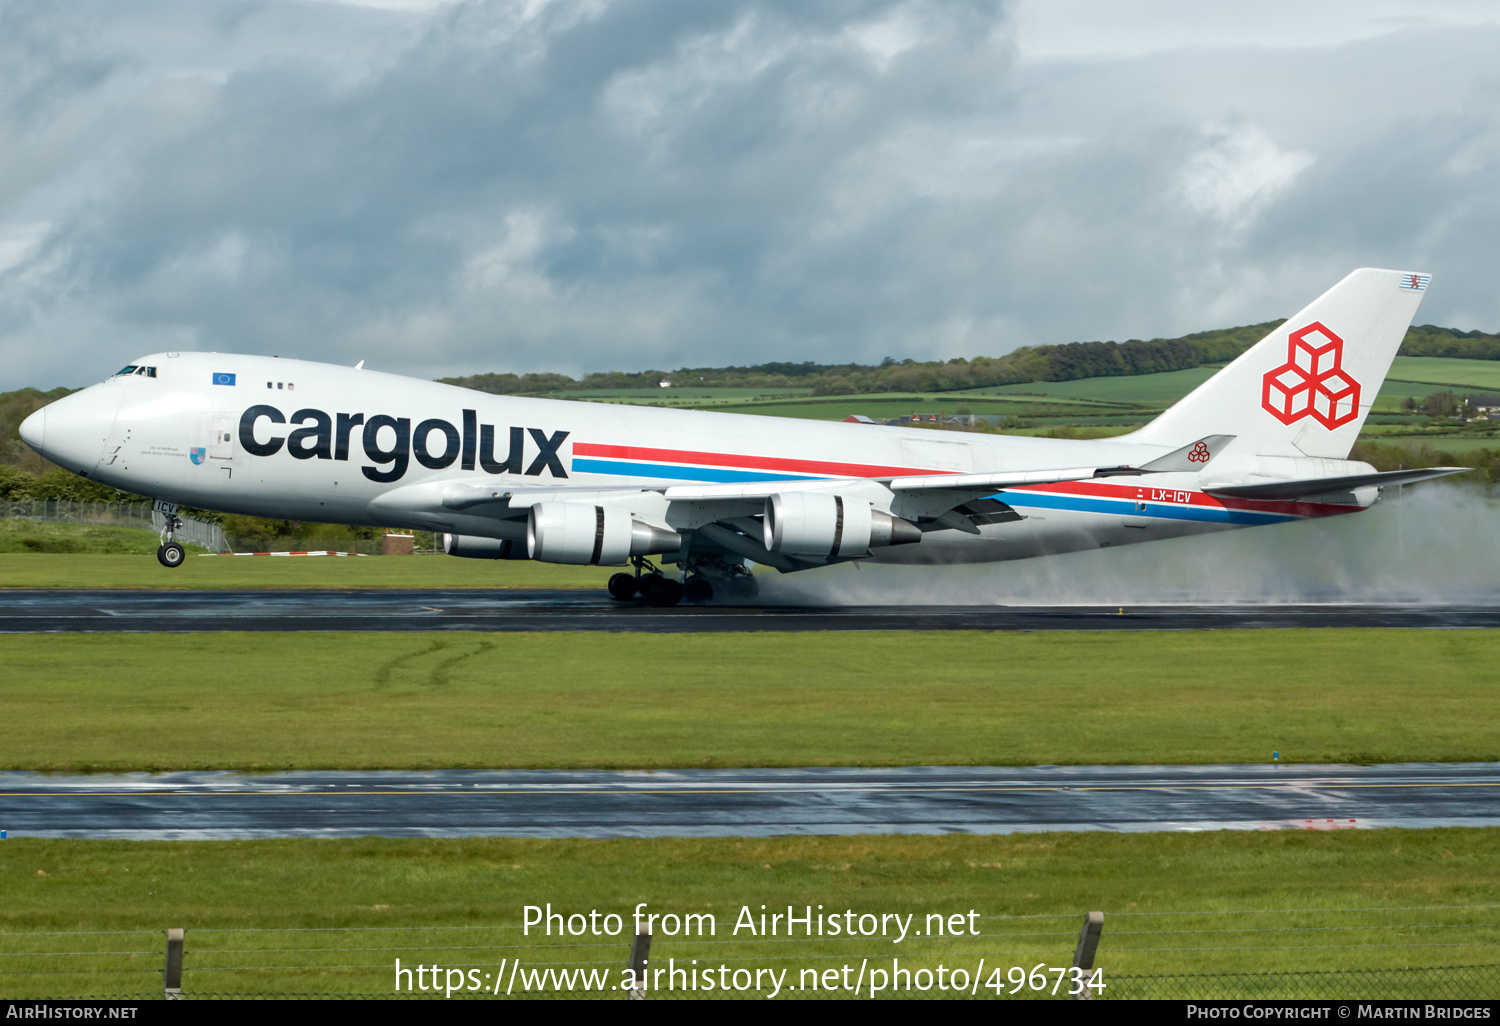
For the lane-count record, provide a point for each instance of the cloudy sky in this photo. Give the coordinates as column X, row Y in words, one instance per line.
column 452, row 187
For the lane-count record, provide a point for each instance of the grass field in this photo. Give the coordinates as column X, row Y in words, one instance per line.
column 1090, row 402
column 686, row 395
column 1457, row 444
column 883, row 409
column 331, row 917
column 1415, row 377
column 22, row 536
column 233, row 701
column 41, row 570
column 1459, row 374
column 1145, row 389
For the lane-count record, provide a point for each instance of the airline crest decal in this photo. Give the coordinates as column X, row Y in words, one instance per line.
column 1312, row 381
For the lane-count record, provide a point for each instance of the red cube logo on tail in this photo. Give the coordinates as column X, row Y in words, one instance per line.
column 1312, row 381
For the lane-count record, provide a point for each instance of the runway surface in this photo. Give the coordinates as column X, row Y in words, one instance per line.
column 539, row 610
column 712, row 803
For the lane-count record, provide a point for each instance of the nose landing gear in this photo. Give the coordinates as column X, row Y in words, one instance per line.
column 170, row 554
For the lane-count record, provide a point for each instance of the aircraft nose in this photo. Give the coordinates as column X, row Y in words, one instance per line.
column 71, row 431
column 34, row 429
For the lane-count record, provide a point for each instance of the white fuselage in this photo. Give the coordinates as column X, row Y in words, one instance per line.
column 308, row 441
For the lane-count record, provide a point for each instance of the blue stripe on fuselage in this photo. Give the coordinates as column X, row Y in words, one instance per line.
column 678, row 473
column 1126, row 508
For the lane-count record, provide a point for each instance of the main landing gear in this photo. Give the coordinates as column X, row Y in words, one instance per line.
column 648, row 583
column 170, row 554
column 704, row 580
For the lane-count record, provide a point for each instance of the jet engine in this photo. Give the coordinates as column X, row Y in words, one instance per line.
column 473, row 547
column 572, row 532
column 820, row 524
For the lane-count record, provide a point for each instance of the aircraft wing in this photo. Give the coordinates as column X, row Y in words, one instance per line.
column 925, row 498
column 728, row 515
column 466, row 496
column 1190, row 458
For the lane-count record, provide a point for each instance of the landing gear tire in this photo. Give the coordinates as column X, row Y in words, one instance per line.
column 667, row 592
column 698, row 590
column 170, row 555
column 622, row 587
column 646, row 586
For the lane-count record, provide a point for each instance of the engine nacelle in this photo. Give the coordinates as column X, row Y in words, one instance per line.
column 585, row 535
column 473, row 547
column 820, row 524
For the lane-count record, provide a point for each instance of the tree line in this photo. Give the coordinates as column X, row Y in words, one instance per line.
column 1064, row 362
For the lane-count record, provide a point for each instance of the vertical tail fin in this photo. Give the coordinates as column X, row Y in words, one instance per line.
column 1306, row 388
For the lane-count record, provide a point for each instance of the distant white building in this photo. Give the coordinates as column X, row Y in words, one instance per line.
column 1487, row 406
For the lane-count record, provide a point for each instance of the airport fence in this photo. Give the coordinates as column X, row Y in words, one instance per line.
column 316, row 543
column 115, row 514
column 194, row 530
column 1413, row 953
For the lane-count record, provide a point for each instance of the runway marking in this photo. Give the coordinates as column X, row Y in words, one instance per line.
column 625, row 792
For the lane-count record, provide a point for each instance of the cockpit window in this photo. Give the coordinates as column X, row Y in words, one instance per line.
column 140, row 369
column 127, row 369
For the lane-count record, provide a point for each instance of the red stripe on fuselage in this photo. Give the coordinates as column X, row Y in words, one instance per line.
column 1183, row 497
column 1136, row 493
column 721, row 459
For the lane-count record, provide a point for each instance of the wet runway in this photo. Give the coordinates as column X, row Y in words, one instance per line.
column 541, row 610
column 710, row 803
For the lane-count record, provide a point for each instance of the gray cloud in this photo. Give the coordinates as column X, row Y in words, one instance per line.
column 574, row 186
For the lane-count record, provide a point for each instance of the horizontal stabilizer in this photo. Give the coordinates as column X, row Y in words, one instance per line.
column 1323, row 485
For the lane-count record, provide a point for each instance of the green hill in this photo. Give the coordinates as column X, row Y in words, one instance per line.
column 18, row 405
column 1072, row 361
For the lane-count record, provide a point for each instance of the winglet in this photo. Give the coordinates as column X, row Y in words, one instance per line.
column 1190, row 458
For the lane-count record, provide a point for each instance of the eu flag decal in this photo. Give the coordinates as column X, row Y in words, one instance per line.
column 223, row 379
